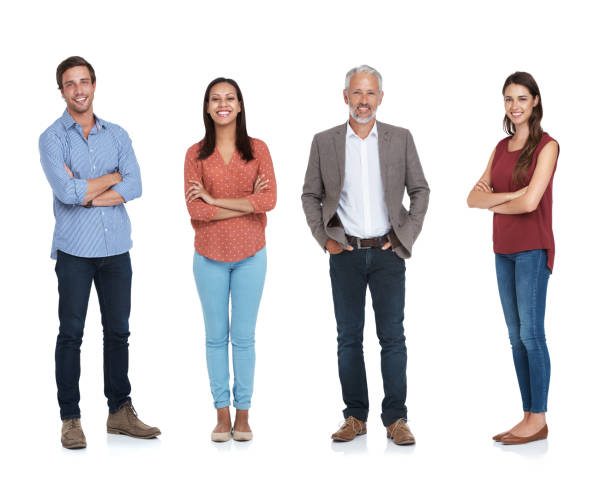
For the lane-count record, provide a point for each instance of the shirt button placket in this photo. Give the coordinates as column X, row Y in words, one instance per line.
column 91, row 159
column 365, row 185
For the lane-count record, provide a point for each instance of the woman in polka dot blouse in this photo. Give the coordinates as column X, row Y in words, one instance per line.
column 229, row 187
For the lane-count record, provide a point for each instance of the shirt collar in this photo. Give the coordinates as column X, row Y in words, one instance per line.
column 68, row 120
column 373, row 132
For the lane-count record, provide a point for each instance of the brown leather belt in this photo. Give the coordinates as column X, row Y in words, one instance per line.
column 375, row 242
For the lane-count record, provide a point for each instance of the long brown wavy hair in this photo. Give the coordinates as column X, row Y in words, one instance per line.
column 519, row 174
column 243, row 143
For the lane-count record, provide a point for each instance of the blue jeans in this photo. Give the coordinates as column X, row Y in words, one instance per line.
column 216, row 282
column 522, row 279
column 113, row 279
column 384, row 272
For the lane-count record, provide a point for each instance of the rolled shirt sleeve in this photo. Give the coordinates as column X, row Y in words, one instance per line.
column 67, row 189
column 198, row 209
column 265, row 200
column 130, row 186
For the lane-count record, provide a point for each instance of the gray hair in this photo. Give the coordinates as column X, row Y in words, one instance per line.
column 362, row 69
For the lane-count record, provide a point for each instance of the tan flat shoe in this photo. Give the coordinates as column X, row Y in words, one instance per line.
column 511, row 439
column 220, row 436
column 242, row 436
column 498, row 437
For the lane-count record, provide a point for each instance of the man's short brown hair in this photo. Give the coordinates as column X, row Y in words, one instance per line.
column 71, row 63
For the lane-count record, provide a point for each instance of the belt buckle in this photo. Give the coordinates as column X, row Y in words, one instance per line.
column 359, row 247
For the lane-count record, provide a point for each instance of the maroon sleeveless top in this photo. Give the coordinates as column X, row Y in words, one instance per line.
column 514, row 233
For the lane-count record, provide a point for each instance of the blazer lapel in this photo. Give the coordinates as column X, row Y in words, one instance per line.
column 340, row 147
column 384, row 137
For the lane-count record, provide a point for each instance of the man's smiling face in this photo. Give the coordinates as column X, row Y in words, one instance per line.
column 78, row 89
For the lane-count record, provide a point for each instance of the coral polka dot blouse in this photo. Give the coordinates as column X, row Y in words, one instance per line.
column 233, row 239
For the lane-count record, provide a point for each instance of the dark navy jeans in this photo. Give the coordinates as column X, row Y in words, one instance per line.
column 522, row 279
column 352, row 272
column 113, row 279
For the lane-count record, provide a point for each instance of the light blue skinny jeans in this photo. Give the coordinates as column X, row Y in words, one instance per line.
column 243, row 281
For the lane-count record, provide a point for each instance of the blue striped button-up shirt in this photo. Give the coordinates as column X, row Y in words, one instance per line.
column 96, row 231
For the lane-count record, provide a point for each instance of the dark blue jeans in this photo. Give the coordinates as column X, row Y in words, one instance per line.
column 113, row 279
column 522, row 279
column 385, row 273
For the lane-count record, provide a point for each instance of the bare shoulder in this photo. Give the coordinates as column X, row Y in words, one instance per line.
column 549, row 149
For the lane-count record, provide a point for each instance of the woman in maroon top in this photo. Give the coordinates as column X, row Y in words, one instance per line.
column 517, row 187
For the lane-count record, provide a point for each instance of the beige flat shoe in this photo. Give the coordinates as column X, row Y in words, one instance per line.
column 242, row 436
column 220, row 436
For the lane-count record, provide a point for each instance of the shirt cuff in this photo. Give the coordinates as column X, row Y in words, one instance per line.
column 259, row 202
column 123, row 189
column 80, row 190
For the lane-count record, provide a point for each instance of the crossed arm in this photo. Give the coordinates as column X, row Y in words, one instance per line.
column 99, row 190
column 202, row 206
column 522, row 201
column 128, row 183
column 227, row 207
column 108, row 190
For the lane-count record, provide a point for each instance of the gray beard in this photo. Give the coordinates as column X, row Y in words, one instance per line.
column 362, row 120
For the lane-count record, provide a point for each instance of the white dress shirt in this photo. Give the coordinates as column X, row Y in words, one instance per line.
column 362, row 208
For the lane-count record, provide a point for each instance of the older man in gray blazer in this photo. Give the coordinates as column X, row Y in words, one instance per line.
column 352, row 198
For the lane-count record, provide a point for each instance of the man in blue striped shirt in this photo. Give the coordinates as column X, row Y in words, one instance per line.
column 92, row 170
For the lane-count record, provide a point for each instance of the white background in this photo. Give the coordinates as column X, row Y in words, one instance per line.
column 443, row 65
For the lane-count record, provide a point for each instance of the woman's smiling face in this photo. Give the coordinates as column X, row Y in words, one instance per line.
column 519, row 103
column 223, row 104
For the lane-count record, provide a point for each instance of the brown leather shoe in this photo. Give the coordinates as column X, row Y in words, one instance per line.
column 351, row 428
column 125, row 421
column 511, row 439
column 72, row 434
column 498, row 437
column 399, row 433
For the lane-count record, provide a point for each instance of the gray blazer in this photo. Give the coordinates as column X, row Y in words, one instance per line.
column 400, row 168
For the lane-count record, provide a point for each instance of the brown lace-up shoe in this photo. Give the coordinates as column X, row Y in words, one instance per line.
column 399, row 433
column 351, row 428
column 72, row 434
column 125, row 421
